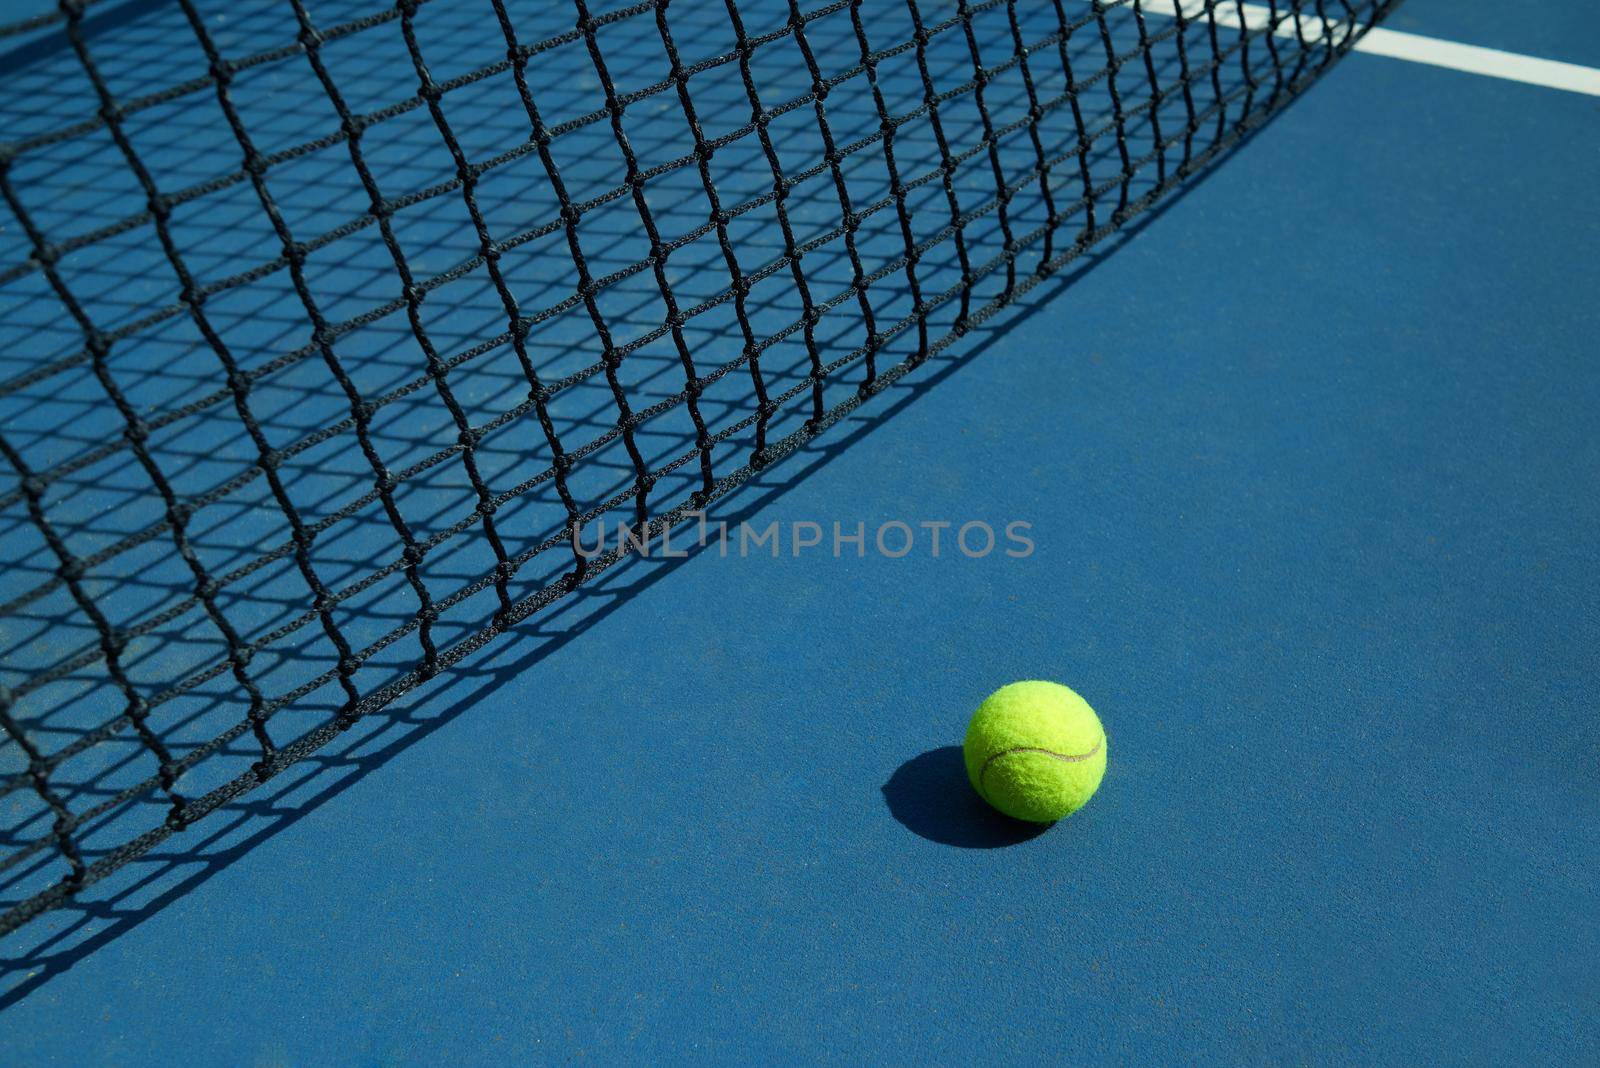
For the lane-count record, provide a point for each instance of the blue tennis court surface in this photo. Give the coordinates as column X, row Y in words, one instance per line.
column 1290, row 475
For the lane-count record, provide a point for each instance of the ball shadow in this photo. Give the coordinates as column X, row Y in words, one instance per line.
column 930, row 796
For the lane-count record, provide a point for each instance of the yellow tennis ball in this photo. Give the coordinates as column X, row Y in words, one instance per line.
column 1036, row 751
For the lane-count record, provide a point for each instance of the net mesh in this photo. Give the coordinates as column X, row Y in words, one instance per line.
column 327, row 327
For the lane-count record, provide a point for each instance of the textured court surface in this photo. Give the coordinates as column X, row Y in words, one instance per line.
column 313, row 362
column 1307, row 462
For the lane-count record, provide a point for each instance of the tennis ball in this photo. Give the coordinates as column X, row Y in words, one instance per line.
column 1035, row 751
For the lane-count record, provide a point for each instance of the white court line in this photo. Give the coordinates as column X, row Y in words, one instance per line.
column 1489, row 62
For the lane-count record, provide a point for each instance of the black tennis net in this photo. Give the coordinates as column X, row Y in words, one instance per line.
column 327, row 326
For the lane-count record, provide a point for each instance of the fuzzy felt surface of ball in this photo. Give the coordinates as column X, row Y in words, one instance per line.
column 1035, row 751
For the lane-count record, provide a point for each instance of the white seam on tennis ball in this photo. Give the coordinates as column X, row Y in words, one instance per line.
column 1068, row 758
